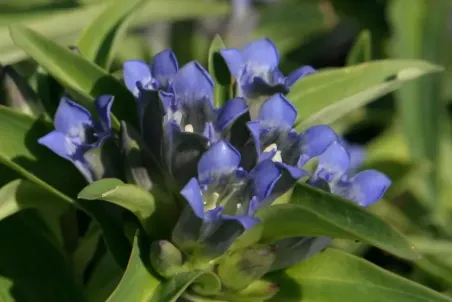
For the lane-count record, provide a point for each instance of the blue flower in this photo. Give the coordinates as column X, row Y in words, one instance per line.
column 222, row 200
column 190, row 105
column 364, row 188
column 156, row 76
column 76, row 132
column 256, row 69
column 357, row 155
column 274, row 138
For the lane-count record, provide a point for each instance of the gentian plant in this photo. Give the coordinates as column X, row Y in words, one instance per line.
column 174, row 181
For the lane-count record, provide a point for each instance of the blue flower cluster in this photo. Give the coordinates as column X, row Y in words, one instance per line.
column 228, row 162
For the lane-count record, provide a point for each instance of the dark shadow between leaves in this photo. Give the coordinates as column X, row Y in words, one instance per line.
column 28, row 256
column 289, row 289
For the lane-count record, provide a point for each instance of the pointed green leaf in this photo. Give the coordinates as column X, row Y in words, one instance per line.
column 362, row 49
column 104, row 279
column 337, row 276
column 32, row 161
column 131, row 197
column 74, row 72
column 327, row 95
column 137, row 283
column 23, row 194
column 99, row 41
column 319, row 213
column 220, row 72
column 172, row 289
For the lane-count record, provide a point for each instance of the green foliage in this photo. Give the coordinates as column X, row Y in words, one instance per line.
column 112, row 240
column 347, row 278
column 314, row 212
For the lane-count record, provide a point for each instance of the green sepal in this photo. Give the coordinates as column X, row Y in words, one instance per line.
column 240, row 268
column 166, row 259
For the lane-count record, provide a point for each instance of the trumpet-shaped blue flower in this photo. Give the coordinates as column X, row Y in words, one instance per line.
column 256, row 69
column 156, row 76
column 76, row 132
column 364, row 188
column 191, row 106
column 275, row 139
column 222, row 199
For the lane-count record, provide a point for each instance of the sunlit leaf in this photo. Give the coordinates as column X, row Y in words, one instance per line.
column 327, row 95
column 337, row 276
column 315, row 212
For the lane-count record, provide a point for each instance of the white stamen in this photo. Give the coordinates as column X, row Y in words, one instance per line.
column 271, row 148
column 277, row 157
column 210, row 202
column 189, row 128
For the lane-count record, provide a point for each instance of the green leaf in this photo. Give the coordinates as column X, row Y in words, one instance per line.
column 327, row 95
column 432, row 246
column 334, row 275
column 23, row 194
column 319, row 213
column 220, row 72
column 63, row 25
column 104, row 279
column 175, row 287
column 99, row 41
column 60, row 25
column 19, row 150
column 419, row 32
column 29, row 257
column 137, row 283
column 75, row 73
column 31, row 161
column 362, row 49
column 131, row 197
column 86, row 248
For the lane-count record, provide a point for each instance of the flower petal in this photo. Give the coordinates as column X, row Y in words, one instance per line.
column 193, row 83
column 103, row 107
column 136, row 71
column 70, row 115
column 246, row 221
column 294, row 172
column 163, row 66
column 365, row 188
column 297, row 74
column 255, row 130
column 57, row 142
column 277, row 109
column 264, row 177
column 261, row 52
column 229, row 112
column 192, row 193
column 314, row 142
column 220, row 158
column 233, row 59
column 333, row 163
column 357, row 155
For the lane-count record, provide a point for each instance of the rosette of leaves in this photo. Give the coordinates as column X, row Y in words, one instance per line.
column 227, row 184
